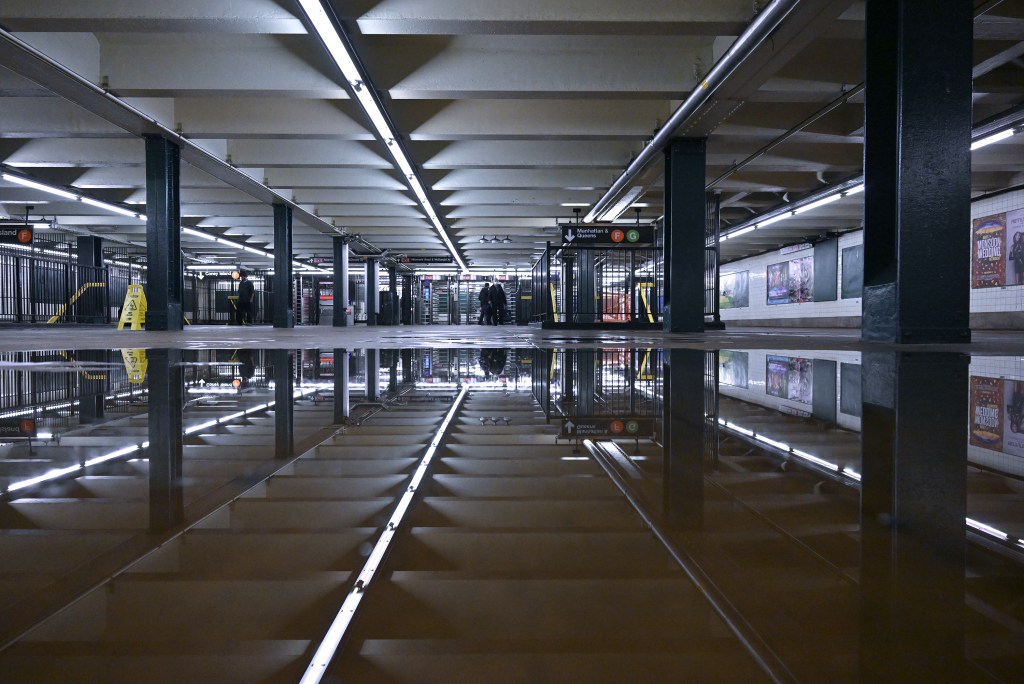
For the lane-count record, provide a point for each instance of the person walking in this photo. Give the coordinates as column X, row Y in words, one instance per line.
column 246, row 294
column 497, row 297
column 485, row 305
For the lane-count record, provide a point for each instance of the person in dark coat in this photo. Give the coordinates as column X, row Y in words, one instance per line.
column 485, row 305
column 246, row 294
column 498, row 301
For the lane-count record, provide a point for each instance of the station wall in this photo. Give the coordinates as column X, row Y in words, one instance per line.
column 996, row 302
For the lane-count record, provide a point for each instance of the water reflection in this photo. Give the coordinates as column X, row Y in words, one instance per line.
column 821, row 501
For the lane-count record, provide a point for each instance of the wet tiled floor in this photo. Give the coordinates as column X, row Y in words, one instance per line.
column 489, row 512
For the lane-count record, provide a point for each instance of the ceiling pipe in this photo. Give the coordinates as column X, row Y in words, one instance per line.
column 763, row 25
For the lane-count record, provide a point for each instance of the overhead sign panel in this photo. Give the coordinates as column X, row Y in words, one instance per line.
column 425, row 260
column 596, row 426
column 606, row 235
column 16, row 235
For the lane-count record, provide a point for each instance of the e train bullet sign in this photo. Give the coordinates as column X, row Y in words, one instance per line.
column 16, row 235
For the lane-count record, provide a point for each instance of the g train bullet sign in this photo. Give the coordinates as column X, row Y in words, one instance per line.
column 16, row 235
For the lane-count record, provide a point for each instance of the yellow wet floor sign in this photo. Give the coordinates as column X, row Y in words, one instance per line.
column 136, row 363
column 134, row 310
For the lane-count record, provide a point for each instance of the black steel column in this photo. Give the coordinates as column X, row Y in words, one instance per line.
column 284, row 314
column 408, row 376
column 166, row 398
column 94, row 386
column 373, row 374
column 568, row 298
column 90, row 269
column 341, row 400
column 393, row 296
column 340, row 282
column 284, row 424
column 372, row 288
column 587, row 285
column 407, row 300
column 586, row 379
column 392, row 361
column 163, row 235
column 913, row 504
column 684, row 235
column 684, row 436
column 917, row 168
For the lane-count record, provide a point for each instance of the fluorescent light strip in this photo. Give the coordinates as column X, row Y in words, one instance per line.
column 110, row 207
column 61, row 472
column 346, row 62
column 994, row 138
column 39, row 186
column 332, row 639
column 820, row 203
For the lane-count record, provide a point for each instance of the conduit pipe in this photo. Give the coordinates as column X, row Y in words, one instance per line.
column 763, row 25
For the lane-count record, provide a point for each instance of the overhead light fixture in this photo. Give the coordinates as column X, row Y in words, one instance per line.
column 66, row 194
column 483, row 239
column 506, row 239
column 344, row 57
column 994, row 138
column 35, row 185
column 616, row 210
column 819, row 203
column 336, row 632
column 111, row 207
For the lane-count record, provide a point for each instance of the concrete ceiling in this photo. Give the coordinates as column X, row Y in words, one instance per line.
column 512, row 112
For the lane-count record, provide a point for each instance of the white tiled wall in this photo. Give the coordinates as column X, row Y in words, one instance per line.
column 759, row 307
column 754, row 392
column 984, row 300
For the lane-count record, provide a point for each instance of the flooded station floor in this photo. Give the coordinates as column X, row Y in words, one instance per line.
column 511, row 514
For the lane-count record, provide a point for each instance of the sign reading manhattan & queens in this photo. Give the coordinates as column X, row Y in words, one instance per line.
column 578, row 233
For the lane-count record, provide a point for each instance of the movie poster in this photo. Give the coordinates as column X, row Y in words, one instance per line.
column 1013, row 425
column 987, row 413
column 732, row 368
column 789, row 377
column 801, row 280
column 778, row 289
column 1015, row 248
column 734, row 290
column 791, row 282
column 988, row 254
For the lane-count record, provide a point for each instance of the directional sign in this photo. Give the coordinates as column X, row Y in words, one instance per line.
column 17, row 427
column 577, row 233
column 597, row 426
column 16, row 235
column 425, row 260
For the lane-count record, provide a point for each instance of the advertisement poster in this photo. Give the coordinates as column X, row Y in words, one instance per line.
column 988, row 254
column 791, row 282
column 987, row 413
column 789, row 377
column 801, row 280
column 778, row 292
column 1013, row 425
column 732, row 368
column 1015, row 248
column 735, row 290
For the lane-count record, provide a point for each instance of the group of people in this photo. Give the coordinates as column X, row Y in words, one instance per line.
column 492, row 305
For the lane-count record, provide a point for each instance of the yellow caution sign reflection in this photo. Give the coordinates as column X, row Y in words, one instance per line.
column 136, row 363
column 133, row 313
